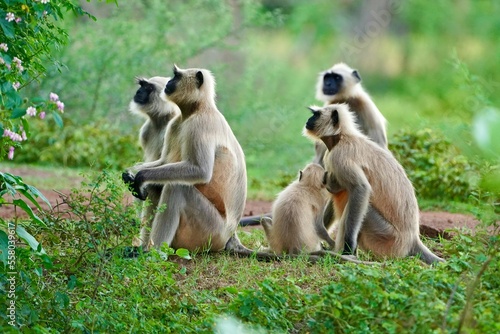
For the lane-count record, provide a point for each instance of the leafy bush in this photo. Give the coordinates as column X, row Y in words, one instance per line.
column 435, row 167
column 97, row 144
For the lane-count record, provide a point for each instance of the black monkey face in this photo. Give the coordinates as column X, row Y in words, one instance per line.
column 171, row 86
column 332, row 83
column 311, row 122
column 142, row 96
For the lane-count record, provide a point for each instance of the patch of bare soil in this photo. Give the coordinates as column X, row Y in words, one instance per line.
column 432, row 224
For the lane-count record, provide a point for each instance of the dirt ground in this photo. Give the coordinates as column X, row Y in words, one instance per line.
column 432, row 224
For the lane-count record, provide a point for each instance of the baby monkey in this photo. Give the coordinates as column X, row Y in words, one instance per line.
column 298, row 215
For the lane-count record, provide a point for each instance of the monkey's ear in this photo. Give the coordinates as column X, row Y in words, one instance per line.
column 199, row 78
column 356, row 75
column 313, row 109
column 300, row 175
column 175, row 69
column 140, row 81
column 335, row 117
column 325, row 177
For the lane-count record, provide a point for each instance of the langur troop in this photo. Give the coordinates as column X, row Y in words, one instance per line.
column 354, row 194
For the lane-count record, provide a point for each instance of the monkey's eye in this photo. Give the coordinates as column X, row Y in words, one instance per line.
column 336, row 77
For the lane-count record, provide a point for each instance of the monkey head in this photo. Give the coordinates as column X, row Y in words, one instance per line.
column 329, row 122
column 147, row 98
column 312, row 175
column 336, row 82
column 189, row 86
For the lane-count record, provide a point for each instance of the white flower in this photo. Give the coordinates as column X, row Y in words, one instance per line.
column 4, row 47
column 31, row 111
column 16, row 85
column 54, row 97
column 60, row 106
column 11, row 153
column 10, row 17
column 44, row 1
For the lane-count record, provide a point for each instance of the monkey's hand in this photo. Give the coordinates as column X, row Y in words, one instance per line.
column 135, row 187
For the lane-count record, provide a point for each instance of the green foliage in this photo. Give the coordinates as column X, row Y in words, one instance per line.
column 98, row 144
column 435, row 167
column 29, row 36
column 81, row 236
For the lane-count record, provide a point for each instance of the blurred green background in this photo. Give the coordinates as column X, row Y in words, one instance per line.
column 427, row 65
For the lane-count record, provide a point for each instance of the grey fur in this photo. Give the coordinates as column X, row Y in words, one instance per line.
column 381, row 212
column 370, row 120
column 158, row 114
column 201, row 168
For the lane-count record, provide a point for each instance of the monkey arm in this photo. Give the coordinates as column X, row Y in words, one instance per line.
column 198, row 168
column 322, row 232
column 151, row 164
column 355, row 211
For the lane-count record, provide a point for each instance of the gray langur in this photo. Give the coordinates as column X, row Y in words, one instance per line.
column 297, row 224
column 342, row 84
column 202, row 170
column 147, row 103
column 374, row 200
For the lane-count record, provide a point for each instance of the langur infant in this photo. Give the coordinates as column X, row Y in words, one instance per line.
column 297, row 224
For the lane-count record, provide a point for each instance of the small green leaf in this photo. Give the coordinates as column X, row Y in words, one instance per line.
column 4, row 244
column 28, row 238
column 37, row 193
column 8, row 28
column 22, row 204
column 183, row 253
column 58, row 119
column 18, row 112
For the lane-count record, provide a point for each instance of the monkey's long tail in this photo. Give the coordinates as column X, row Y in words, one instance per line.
column 253, row 220
column 419, row 249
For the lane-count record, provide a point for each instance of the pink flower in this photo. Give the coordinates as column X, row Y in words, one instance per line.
column 31, row 111
column 10, row 17
column 54, row 97
column 11, row 153
column 4, row 47
column 18, row 20
column 23, row 135
column 16, row 85
column 18, row 63
column 60, row 106
column 42, row 115
column 12, row 135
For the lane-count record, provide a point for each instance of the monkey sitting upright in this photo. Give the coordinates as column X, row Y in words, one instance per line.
column 374, row 200
column 147, row 102
column 297, row 223
column 202, row 170
column 342, row 84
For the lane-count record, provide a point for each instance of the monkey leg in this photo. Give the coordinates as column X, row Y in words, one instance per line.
column 148, row 214
column 353, row 217
column 189, row 221
column 379, row 236
column 329, row 215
